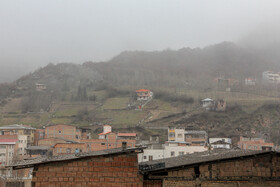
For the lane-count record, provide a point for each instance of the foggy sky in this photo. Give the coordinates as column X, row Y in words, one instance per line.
column 36, row 32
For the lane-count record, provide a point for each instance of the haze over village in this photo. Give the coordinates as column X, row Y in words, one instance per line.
column 139, row 93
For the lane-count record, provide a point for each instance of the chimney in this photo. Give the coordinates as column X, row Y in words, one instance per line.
column 124, row 144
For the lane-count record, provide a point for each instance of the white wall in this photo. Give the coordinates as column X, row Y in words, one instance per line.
column 22, row 144
column 186, row 149
column 222, row 146
column 227, row 140
column 156, row 153
column 178, row 132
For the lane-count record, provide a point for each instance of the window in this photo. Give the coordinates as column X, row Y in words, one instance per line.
column 150, row 157
column 68, row 150
column 172, row 134
column 179, row 135
column 181, row 153
column 59, row 132
column 77, row 150
column 145, row 157
column 102, row 143
column 2, row 147
column 172, row 153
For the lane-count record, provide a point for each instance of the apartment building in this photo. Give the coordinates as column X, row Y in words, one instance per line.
column 8, row 149
column 19, row 130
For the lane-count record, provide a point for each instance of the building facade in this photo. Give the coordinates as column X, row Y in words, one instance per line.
column 254, row 144
column 19, row 130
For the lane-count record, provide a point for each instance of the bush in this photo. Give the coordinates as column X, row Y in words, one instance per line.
column 173, row 97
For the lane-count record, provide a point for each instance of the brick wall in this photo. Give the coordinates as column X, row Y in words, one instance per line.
column 50, row 141
column 67, row 132
column 110, row 170
column 101, row 144
column 68, row 148
column 255, row 171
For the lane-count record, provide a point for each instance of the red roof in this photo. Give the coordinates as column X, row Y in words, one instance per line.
column 127, row 134
column 102, row 133
column 8, row 140
column 142, row 90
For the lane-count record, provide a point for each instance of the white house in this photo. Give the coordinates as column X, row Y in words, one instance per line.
column 271, row 77
column 207, row 103
column 7, row 150
column 144, row 94
column 220, row 143
column 180, row 148
column 151, row 154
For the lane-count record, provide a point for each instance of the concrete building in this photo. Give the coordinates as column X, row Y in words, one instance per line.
column 19, row 130
column 173, row 148
column 254, row 144
column 207, row 103
column 250, row 82
column 41, row 87
column 190, row 137
column 220, row 143
column 271, row 77
column 8, row 149
column 144, row 94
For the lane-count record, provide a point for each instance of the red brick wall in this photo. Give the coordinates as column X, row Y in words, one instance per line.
column 61, row 148
column 226, row 173
column 101, row 144
column 111, row 170
column 49, row 142
column 67, row 132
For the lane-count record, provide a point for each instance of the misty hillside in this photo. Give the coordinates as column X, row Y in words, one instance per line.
column 200, row 66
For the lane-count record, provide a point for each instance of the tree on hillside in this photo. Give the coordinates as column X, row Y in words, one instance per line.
column 82, row 94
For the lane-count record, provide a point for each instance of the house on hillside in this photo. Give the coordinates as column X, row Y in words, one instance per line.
column 41, row 87
column 250, row 82
column 254, row 144
column 210, row 104
column 271, row 77
column 207, row 103
column 108, row 140
column 144, row 94
column 220, row 143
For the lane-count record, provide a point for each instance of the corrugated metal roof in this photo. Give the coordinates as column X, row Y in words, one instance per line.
column 41, row 160
column 201, row 157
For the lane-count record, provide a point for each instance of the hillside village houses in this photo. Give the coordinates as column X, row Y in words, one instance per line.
column 254, row 144
column 271, row 77
column 66, row 147
column 144, row 94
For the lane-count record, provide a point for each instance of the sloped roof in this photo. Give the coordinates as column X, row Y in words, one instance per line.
column 127, row 134
column 8, row 141
column 104, row 133
column 201, row 157
column 142, row 90
column 43, row 160
column 220, row 142
column 16, row 126
column 207, row 99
